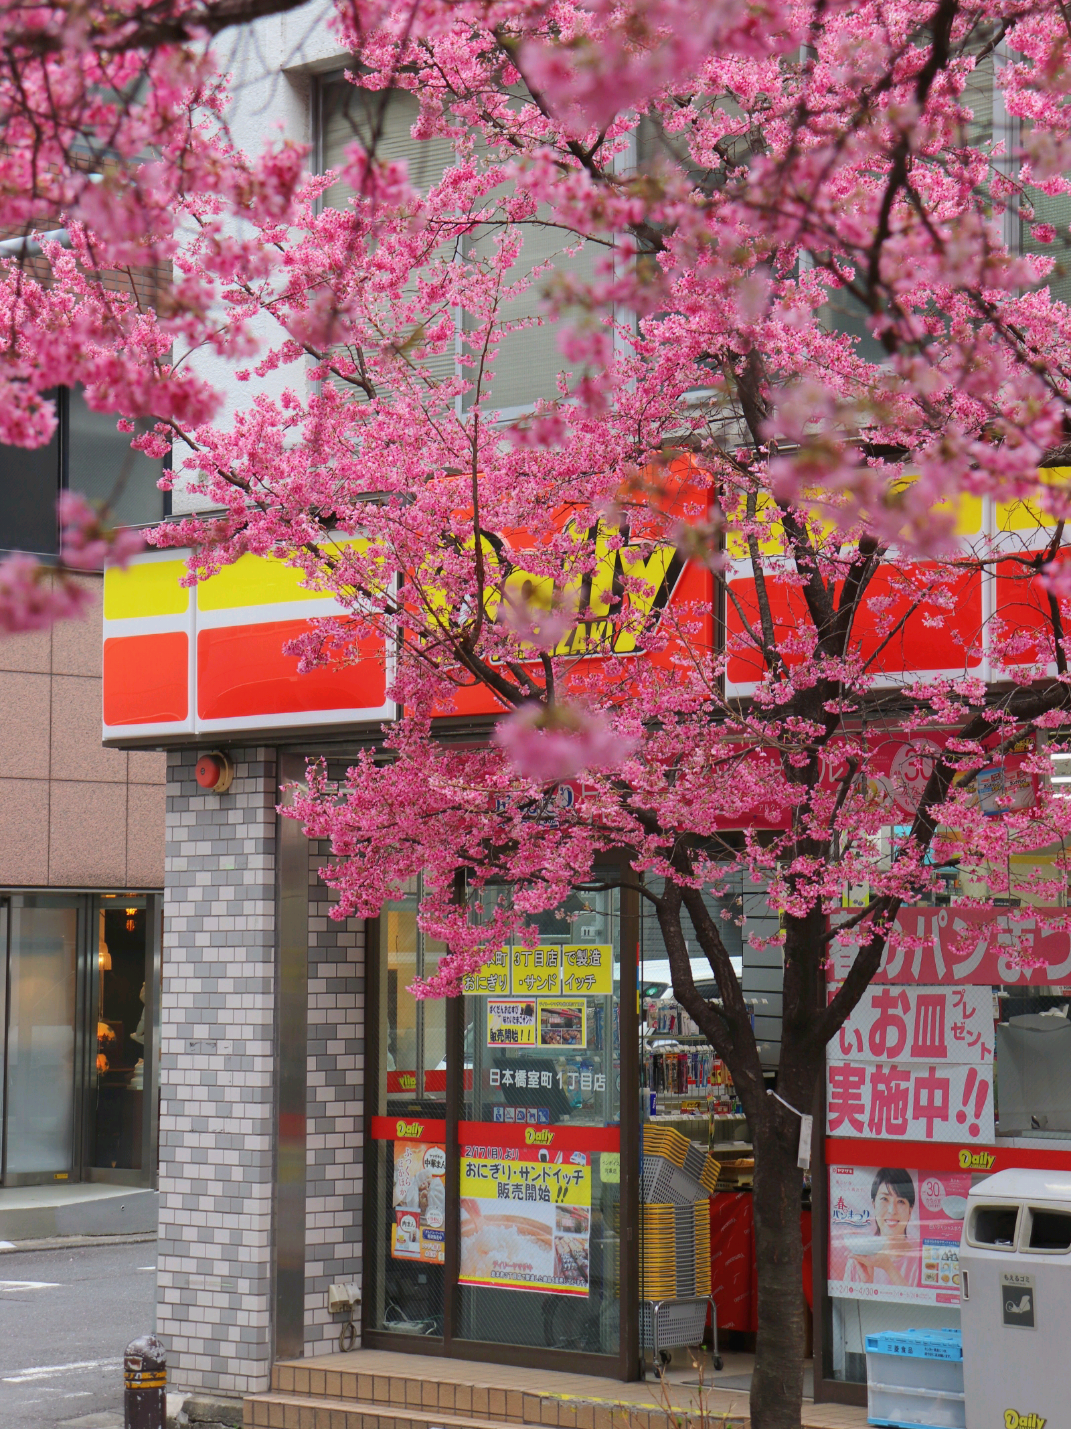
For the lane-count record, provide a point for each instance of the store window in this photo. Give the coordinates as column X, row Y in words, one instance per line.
column 540, row 1144
column 956, row 1063
column 494, row 1158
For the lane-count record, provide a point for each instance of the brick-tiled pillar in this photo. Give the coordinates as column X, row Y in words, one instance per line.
column 335, row 1126
column 217, row 1077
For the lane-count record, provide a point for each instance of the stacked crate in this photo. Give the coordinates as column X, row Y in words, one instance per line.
column 678, row 1176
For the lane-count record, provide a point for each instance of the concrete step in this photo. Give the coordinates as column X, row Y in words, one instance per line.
column 320, row 1398
column 91, row 1208
column 276, row 1410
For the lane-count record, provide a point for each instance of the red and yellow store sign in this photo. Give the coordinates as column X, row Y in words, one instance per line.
column 209, row 659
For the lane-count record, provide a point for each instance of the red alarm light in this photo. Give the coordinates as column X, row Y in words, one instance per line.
column 214, row 772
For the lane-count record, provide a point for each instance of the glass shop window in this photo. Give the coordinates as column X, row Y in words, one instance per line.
column 540, row 1141
column 1033, row 1062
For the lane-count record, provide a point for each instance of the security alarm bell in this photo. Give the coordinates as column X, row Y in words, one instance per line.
column 214, row 772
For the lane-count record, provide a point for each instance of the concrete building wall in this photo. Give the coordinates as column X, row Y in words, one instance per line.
column 72, row 814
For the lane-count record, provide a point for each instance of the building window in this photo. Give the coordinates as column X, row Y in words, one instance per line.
column 528, row 361
column 86, row 454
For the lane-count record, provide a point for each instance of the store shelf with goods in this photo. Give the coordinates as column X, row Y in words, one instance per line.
column 683, row 1077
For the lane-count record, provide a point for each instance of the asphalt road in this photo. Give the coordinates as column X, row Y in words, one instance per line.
column 65, row 1318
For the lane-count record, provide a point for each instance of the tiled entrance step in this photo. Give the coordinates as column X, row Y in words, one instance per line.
column 360, row 1391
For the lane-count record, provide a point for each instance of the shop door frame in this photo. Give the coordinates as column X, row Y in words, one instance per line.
column 625, row 1364
column 81, row 1169
column 146, row 1178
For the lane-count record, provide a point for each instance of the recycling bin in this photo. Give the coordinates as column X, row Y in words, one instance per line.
column 1015, row 1289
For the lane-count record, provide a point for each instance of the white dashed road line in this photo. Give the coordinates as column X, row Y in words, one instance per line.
column 47, row 1371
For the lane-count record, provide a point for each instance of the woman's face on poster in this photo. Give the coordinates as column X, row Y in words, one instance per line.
column 892, row 1212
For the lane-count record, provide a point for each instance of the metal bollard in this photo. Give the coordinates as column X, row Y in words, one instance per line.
column 145, row 1380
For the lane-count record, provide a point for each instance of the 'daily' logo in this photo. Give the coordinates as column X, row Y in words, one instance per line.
column 976, row 1161
column 532, row 1137
column 1014, row 1420
column 412, row 1129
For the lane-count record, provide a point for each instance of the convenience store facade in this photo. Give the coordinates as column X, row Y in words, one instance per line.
column 318, row 1125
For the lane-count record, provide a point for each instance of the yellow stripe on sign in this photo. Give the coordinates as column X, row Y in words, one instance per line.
column 145, row 588
column 1024, row 515
column 254, row 580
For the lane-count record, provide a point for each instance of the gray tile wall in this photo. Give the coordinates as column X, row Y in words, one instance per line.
column 335, row 1099
column 218, row 1085
column 217, row 1077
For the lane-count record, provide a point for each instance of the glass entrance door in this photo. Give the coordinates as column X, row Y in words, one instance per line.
column 406, row 1155
column 78, row 993
column 497, row 1222
column 117, row 1104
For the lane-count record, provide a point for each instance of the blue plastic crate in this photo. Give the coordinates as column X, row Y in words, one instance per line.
column 922, row 1344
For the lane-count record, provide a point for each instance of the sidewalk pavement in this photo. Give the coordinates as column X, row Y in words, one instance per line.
column 80, row 1209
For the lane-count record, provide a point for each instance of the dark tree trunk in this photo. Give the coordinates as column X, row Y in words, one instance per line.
column 777, row 1384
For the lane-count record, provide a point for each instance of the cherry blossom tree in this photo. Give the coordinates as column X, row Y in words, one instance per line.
column 814, row 389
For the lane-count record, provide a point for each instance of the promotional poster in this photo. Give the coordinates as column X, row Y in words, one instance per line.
column 526, row 1223
column 419, row 1226
column 584, row 969
column 894, row 1233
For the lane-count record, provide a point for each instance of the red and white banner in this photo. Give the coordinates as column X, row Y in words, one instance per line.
column 987, row 947
column 900, row 1101
column 920, row 1024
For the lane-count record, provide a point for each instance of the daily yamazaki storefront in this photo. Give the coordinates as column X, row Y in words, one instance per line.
column 486, row 1163
column 955, row 1064
column 474, row 1165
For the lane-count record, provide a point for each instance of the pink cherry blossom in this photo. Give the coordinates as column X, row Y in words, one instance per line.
column 559, row 745
column 769, row 584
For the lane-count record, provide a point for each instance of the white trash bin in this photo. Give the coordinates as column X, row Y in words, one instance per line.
column 1015, row 1287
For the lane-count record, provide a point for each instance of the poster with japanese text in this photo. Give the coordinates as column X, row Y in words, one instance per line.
column 492, row 979
column 910, row 1101
column 536, row 970
column 919, row 1024
column 921, row 1066
column 894, row 1233
column 526, row 1221
column 961, row 947
column 419, row 1229
column 511, row 1023
column 578, row 969
column 588, row 970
